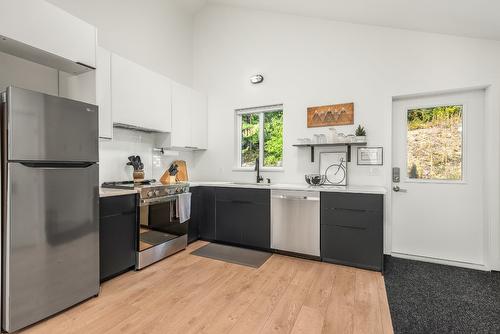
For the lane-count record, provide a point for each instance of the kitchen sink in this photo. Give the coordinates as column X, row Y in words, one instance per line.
column 251, row 184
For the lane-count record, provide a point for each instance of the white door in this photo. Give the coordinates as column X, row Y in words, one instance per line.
column 438, row 212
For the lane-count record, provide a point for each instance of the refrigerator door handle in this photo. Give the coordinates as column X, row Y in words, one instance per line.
column 55, row 165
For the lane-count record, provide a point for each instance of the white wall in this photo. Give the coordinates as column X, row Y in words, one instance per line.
column 309, row 62
column 113, row 156
column 157, row 34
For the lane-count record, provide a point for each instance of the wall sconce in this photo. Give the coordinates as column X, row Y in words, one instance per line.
column 256, row 79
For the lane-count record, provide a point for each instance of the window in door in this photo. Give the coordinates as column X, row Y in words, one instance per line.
column 260, row 135
column 435, row 143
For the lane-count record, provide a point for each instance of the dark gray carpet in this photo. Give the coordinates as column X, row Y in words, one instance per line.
column 243, row 256
column 432, row 298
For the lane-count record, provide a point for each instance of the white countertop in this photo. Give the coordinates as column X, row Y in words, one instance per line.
column 108, row 192
column 285, row 186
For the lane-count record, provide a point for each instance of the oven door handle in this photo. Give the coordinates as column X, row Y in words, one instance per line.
column 153, row 201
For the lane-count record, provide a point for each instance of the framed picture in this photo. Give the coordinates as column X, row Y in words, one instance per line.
column 335, row 114
column 370, row 156
column 334, row 166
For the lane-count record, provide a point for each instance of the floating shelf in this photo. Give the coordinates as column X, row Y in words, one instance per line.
column 348, row 145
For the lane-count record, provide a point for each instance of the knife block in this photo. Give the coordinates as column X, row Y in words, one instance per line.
column 167, row 179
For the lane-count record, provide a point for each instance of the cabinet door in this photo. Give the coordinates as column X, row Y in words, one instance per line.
column 160, row 103
column 103, row 93
column 230, row 217
column 49, row 28
column 206, row 224
column 117, row 235
column 117, row 244
column 196, row 213
column 199, row 121
column 139, row 97
column 256, row 226
column 181, row 116
column 243, row 216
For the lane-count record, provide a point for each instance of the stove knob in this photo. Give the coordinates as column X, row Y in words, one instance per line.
column 157, row 192
column 150, row 194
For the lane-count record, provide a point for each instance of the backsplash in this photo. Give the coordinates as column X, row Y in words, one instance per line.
column 113, row 156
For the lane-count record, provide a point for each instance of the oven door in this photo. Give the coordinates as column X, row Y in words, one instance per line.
column 159, row 222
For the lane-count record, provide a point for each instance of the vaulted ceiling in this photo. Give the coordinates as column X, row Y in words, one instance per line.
column 472, row 18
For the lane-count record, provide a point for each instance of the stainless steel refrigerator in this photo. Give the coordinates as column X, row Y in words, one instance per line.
column 50, row 203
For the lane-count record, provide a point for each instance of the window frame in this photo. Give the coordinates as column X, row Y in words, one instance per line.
column 464, row 178
column 261, row 110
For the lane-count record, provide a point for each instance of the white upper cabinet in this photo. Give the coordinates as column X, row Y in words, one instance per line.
column 181, row 116
column 103, row 93
column 199, row 122
column 189, row 118
column 140, row 98
column 27, row 24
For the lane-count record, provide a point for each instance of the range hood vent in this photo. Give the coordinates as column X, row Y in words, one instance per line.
column 135, row 128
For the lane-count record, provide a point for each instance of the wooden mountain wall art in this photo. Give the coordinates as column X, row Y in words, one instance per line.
column 336, row 114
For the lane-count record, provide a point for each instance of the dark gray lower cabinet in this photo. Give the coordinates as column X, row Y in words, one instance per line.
column 352, row 229
column 117, row 235
column 243, row 217
column 205, row 212
column 196, row 214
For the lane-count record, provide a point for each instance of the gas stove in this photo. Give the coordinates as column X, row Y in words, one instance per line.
column 150, row 189
column 161, row 232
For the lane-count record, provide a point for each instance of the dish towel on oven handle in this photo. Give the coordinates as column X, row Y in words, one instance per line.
column 184, row 207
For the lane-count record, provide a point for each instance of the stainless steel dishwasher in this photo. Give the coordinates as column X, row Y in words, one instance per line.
column 295, row 221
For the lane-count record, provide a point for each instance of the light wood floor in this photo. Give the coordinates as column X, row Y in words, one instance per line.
column 191, row 294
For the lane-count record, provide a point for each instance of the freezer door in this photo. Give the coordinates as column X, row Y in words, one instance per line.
column 50, row 128
column 51, row 241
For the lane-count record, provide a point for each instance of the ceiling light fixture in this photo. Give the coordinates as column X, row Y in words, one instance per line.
column 257, row 79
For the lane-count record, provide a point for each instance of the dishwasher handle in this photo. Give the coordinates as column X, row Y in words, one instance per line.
column 296, row 198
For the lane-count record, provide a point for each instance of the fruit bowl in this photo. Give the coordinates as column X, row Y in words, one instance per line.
column 315, row 179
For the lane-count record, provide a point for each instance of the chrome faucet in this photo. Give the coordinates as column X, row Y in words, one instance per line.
column 257, row 169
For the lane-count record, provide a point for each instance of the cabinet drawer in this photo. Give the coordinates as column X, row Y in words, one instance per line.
column 351, row 218
column 115, row 205
column 361, row 202
column 243, row 196
column 352, row 246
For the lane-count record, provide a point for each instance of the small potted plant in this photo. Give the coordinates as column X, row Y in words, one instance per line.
column 360, row 134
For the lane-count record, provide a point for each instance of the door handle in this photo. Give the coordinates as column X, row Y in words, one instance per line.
column 399, row 190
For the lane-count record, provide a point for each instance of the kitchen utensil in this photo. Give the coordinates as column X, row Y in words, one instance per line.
column 315, row 179
column 135, row 161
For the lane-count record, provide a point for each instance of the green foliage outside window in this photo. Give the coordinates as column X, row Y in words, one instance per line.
column 272, row 134
column 249, row 139
column 273, row 139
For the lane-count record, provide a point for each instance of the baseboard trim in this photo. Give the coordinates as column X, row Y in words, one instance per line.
column 441, row 261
